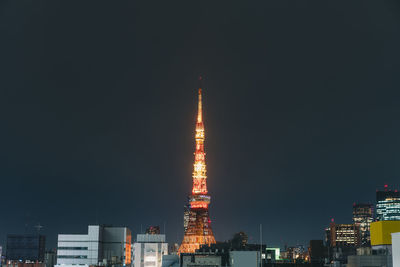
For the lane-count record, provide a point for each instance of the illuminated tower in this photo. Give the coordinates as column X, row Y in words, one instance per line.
column 198, row 230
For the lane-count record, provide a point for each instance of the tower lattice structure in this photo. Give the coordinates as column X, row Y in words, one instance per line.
column 198, row 229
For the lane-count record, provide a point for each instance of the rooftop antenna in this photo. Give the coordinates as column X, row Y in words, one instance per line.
column 261, row 263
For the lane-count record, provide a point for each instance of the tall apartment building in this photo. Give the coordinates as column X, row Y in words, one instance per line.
column 363, row 216
column 149, row 250
column 102, row 245
column 388, row 205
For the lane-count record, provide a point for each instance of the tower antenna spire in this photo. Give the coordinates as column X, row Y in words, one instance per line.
column 200, row 104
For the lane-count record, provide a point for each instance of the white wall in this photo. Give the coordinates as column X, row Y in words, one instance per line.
column 396, row 249
column 89, row 256
column 152, row 252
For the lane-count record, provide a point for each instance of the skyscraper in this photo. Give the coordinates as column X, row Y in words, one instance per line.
column 363, row 216
column 387, row 205
column 198, row 230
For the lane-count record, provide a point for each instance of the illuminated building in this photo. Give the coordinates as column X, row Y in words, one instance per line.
column 153, row 230
column 102, row 244
column 342, row 241
column 149, row 250
column 198, row 229
column 344, row 235
column 387, row 205
column 363, row 216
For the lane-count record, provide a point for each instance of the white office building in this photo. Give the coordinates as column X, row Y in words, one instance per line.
column 99, row 247
column 149, row 250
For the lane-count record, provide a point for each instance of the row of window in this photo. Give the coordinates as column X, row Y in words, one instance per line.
column 72, row 248
column 72, row 257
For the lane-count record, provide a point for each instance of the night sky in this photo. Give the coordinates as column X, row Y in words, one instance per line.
column 98, row 106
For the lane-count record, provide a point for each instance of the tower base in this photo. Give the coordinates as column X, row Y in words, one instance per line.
column 198, row 231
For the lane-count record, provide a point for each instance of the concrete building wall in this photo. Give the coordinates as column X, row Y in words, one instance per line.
column 201, row 260
column 149, row 250
column 101, row 244
column 369, row 261
column 245, row 258
column 396, row 249
column 79, row 249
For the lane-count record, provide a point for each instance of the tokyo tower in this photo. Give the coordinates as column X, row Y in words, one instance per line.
column 198, row 229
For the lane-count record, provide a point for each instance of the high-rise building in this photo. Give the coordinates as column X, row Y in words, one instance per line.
column 363, row 216
column 344, row 235
column 103, row 245
column 25, row 248
column 198, row 229
column 149, row 250
column 387, row 205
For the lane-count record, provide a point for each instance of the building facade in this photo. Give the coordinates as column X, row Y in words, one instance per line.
column 200, row 259
column 244, row 258
column 381, row 239
column 25, row 248
column 50, row 258
column 149, row 250
column 344, row 235
column 388, row 205
column 396, row 248
column 102, row 245
column 363, row 216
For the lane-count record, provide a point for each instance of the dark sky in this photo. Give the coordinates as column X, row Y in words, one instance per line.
column 98, row 103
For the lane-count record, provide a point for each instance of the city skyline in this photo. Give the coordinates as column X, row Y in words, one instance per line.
column 98, row 111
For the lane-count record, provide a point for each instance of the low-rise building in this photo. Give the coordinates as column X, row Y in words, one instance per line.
column 244, row 258
column 102, row 245
column 381, row 238
column 201, row 259
column 381, row 253
column 149, row 250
